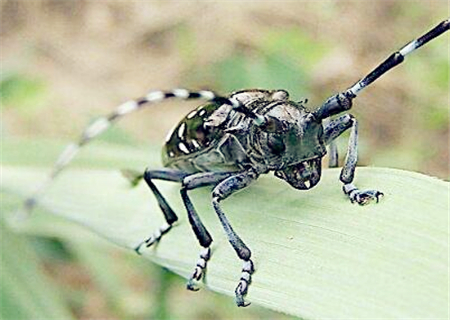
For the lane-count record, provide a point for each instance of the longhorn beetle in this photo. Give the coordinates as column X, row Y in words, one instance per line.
column 230, row 141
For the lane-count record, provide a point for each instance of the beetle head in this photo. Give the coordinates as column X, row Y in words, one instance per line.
column 303, row 175
column 299, row 143
column 296, row 134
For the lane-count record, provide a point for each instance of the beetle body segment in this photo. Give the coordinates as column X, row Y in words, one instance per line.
column 216, row 138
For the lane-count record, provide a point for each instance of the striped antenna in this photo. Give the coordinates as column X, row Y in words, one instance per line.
column 343, row 101
column 103, row 123
column 397, row 57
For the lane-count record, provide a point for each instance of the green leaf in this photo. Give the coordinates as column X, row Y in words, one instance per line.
column 21, row 91
column 296, row 45
column 316, row 255
column 272, row 70
column 25, row 290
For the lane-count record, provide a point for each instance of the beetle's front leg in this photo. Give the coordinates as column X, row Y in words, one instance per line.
column 331, row 132
column 189, row 183
column 221, row 192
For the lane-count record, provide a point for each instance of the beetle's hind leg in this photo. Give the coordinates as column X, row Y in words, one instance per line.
column 334, row 129
column 169, row 214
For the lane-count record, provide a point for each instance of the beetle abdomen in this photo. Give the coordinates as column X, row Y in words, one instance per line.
column 191, row 139
column 214, row 137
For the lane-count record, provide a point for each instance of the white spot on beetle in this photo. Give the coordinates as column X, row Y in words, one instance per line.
column 181, row 93
column 181, row 130
column 235, row 102
column 356, row 88
column 195, row 144
column 155, row 96
column 67, row 155
column 97, row 127
column 126, row 107
column 169, row 135
column 191, row 114
column 410, row 47
column 280, row 95
column 201, row 113
column 209, row 95
column 183, row 147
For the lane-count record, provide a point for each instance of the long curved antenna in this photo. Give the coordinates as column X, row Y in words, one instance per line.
column 103, row 123
column 397, row 57
column 343, row 101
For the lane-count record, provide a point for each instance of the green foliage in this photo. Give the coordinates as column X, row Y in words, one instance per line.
column 316, row 255
column 269, row 71
column 295, row 45
column 42, row 152
column 281, row 59
column 21, row 91
column 129, row 287
column 26, row 293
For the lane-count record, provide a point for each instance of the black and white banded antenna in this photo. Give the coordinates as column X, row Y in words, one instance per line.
column 397, row 57
column 103, row 123
column 343, row 101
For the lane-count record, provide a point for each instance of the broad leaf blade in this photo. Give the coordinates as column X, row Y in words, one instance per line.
column 25, row 290
column 316, row 255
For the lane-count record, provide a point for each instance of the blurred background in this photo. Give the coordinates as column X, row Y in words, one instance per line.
column 66, row 62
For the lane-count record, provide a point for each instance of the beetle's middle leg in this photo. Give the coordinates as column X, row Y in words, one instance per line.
column 334, row 129
column 333, row 155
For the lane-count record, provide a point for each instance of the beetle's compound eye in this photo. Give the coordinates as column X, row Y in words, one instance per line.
column 280, row 95
column 276, row 144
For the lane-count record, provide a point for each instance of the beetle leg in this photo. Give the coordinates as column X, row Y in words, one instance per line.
column 331, row 132
column 221, row 192
column 192, row 182
column 169, row 214
column 333, row 156
column 336, row 127
column 333, row 161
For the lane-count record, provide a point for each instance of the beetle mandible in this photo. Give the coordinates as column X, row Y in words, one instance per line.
column 230, row 141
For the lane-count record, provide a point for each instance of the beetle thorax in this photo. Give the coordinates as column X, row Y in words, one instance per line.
column 299, row 138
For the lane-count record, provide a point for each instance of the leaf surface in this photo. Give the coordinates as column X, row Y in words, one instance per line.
column 316, row 254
